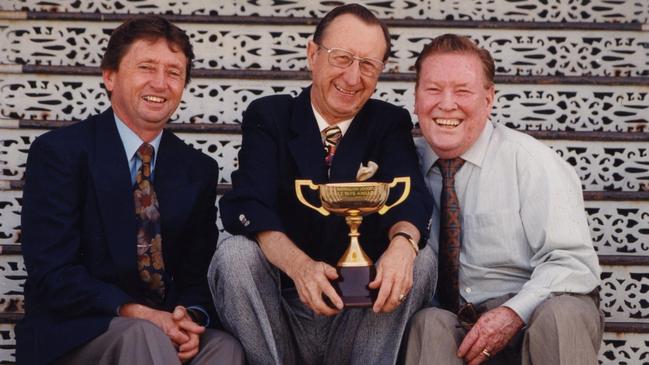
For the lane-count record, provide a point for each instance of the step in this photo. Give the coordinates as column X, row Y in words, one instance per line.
column 525, row 106
column 263, row 46
column 554, row 11
column 601, row 165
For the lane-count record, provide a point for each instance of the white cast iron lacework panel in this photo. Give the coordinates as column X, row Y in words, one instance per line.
column 624, row 349
column 613, row 166
column 619, row 227
column 15, row 143
column 232, row 46
column 507, row 10
column 12, row 279
column 618, row 166
column 10, row 207
column 528, row 107
column 7, row 343
column 624, row 291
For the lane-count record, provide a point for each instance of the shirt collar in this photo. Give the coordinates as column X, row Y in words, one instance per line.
column 475, row 154
column 132, row 141
column 322, row 123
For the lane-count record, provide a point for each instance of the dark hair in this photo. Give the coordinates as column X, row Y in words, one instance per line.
column 150, row 27
column 450, row 43
column 361, row 13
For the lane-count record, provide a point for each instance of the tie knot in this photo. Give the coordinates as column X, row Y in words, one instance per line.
column 450, row 166
column 145, row 153
column 332, row 135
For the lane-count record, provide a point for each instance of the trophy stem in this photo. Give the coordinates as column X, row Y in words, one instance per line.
column 354, row 255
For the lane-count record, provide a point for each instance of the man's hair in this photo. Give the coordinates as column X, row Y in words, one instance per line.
column 149, row 27
column 359, row 12
column 451, row 43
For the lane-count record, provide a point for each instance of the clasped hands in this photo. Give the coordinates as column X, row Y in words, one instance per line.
column 394, row 278
column 178, row 326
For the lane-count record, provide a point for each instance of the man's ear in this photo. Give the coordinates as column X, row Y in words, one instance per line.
column 491, row 94
column 311, row 53
column 109, row 79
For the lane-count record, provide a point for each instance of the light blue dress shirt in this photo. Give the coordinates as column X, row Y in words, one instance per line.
column 131, row 143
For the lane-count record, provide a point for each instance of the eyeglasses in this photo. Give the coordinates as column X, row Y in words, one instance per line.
column 343, row 58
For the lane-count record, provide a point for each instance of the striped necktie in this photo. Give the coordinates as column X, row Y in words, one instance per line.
column 332, row 136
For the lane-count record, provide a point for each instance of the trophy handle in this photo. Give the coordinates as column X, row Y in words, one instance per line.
column 298, row 191
column 406, row 190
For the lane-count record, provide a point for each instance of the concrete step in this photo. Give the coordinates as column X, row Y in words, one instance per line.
column 556, row 11
column 601, row 165
column 262, row 46
column 525, row 103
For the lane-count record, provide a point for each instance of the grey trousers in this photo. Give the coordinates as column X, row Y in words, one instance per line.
column 564, row 329
column 274, row 327
column 136, row 341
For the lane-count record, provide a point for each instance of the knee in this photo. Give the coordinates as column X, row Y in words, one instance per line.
column 142, row 332
column 433, row 320
column 233, row 257
column 578, row 313
column 227, row 347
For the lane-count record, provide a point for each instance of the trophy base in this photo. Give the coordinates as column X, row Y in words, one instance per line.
column 352, row 288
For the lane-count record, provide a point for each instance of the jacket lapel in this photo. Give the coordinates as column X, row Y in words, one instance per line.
column 306, row 144
column 115, row 196
column 176, row 190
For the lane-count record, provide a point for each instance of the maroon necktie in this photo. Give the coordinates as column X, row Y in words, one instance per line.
column 448, row 289
column 332, row 136
column 150, row 263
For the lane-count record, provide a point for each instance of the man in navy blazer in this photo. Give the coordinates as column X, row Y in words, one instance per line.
column 275, row 271
column 85, row 300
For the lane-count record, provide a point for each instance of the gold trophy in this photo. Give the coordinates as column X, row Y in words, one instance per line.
column 354, row 200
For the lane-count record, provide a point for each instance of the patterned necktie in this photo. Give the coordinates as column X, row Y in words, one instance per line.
column 448, row 289
column 332, row 136
column 150, row 263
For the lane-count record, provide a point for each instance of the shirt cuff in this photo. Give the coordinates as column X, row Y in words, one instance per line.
column 524, row 303
column 199, row 315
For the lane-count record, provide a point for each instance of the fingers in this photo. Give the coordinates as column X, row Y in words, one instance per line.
column 191, row 344
column 314, row 284
column 468, row 342
column 177, row 336
column 394, row 282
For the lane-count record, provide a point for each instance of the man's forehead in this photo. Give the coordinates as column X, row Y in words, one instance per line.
column 350, row 31
column 134, row 50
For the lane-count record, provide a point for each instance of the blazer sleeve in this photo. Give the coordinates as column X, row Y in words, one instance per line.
column 51, row 243
column 398, row 157
column 251, row 206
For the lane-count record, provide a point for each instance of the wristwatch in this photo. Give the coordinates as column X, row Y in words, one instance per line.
column 407, row 236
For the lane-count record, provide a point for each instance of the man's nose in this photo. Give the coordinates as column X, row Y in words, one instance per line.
column 352, row 74
column 447, row 101
column 159, row 79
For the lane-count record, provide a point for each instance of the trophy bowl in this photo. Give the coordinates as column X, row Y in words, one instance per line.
column 353, row 200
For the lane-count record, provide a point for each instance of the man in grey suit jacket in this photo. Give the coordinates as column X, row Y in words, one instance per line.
column 119, row 223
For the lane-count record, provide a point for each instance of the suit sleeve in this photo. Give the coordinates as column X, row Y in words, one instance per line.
column 51, row 218
column 398, row 157
column 251, row 206
column 203, row 238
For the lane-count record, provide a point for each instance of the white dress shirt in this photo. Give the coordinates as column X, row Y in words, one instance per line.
column 524, row 228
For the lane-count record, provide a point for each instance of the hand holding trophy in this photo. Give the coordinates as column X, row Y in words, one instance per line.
column 353, row 200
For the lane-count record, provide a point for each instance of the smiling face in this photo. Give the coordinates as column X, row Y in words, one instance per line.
column 147, row 86
column 339, row 93
column 453, row 101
